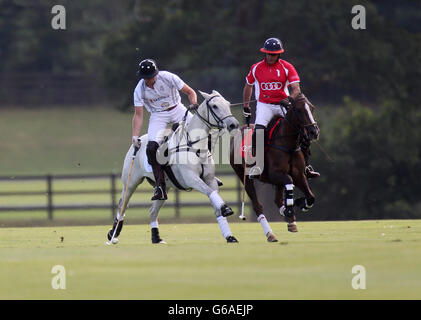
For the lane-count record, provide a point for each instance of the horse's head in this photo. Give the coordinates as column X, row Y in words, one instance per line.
column 303, row 110
column 215, row 111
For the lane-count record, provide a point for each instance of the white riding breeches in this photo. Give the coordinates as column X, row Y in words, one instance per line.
column 265, row 112
column 159, row 121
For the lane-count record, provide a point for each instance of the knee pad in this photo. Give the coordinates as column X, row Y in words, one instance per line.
column 151, row 149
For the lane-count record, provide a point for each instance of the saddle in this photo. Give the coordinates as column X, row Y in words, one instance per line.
column 246, row 142
column 165, row 146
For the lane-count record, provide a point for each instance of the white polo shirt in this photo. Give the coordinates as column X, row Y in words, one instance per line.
column 164, row 94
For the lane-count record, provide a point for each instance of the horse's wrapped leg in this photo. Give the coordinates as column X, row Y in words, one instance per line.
column 225, row 229
column 153, row 214
column 218, row 203
column 266, row 228
column 289, row 208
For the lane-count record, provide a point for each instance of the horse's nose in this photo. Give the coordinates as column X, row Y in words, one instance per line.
column 233, row 125
column 313, row 132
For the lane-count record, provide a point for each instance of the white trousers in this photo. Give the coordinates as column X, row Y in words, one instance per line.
column 265, row 112
column 159, row 121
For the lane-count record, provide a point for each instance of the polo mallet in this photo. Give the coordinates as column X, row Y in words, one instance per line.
column 136, row 149
column 242, row 216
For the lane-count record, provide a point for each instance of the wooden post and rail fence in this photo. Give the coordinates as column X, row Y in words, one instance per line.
column 50, row 205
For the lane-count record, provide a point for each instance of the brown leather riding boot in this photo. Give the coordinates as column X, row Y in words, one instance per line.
column 160, row 188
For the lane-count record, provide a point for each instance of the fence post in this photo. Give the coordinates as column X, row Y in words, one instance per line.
column 113, row 192
column 177, row 203
column 50, row 196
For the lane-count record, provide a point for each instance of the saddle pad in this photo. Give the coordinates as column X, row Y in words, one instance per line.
column 148, row 167
column 273, row 129
column 246, row 142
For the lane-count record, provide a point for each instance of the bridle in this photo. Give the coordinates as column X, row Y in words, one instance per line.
column 219, row 121
column 300, row 130
column 220, row 125
column 301, row 127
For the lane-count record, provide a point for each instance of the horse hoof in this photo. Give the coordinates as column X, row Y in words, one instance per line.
column 292, row 227
column 159, row 241
column 226, row 211
column 231, row 239
column 155, row 236
column 271, row 237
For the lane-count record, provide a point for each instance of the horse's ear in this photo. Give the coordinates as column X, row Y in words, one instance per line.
column 204, row 95
column 216, row 92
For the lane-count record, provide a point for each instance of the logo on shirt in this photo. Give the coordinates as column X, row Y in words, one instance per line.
column 165, row 105
column 271, row 85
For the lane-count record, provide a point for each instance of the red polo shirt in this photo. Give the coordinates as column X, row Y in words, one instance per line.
column 271, row 81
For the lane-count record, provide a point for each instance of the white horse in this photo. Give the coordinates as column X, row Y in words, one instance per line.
column 190, row 161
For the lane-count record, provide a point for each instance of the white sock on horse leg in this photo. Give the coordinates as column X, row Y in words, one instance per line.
column 216, row 199
column 265, row 225
column 154, row 224
column 223, row 225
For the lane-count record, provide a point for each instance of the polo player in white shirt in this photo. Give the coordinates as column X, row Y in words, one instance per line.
column 158, row 92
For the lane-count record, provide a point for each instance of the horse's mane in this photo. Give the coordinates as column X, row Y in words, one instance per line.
column 300, row 97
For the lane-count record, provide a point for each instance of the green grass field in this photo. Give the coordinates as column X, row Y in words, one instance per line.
column 197, row 263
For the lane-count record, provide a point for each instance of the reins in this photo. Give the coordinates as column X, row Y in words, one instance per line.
column 219, row 125
column 300, row 131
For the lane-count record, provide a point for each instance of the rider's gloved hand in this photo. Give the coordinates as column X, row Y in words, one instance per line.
column 247, row 112
column 286, row 102
column 247, row 115
column 136, row 141
column 193, row 107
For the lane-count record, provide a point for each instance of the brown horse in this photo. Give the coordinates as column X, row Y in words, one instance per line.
column 284, row 162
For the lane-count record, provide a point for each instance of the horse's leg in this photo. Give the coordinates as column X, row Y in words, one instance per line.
column 153, row 214
column 308, row 202
column 258, row 209
column 257, row 206
column 209, row 187
column 300, row 180
column 279, row 199
column 289, row 214
column 126, row 194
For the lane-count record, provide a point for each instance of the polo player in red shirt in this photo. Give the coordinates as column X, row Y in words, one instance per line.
column 276, row 83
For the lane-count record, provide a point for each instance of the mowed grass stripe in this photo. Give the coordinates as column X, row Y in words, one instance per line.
column 197, row 263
